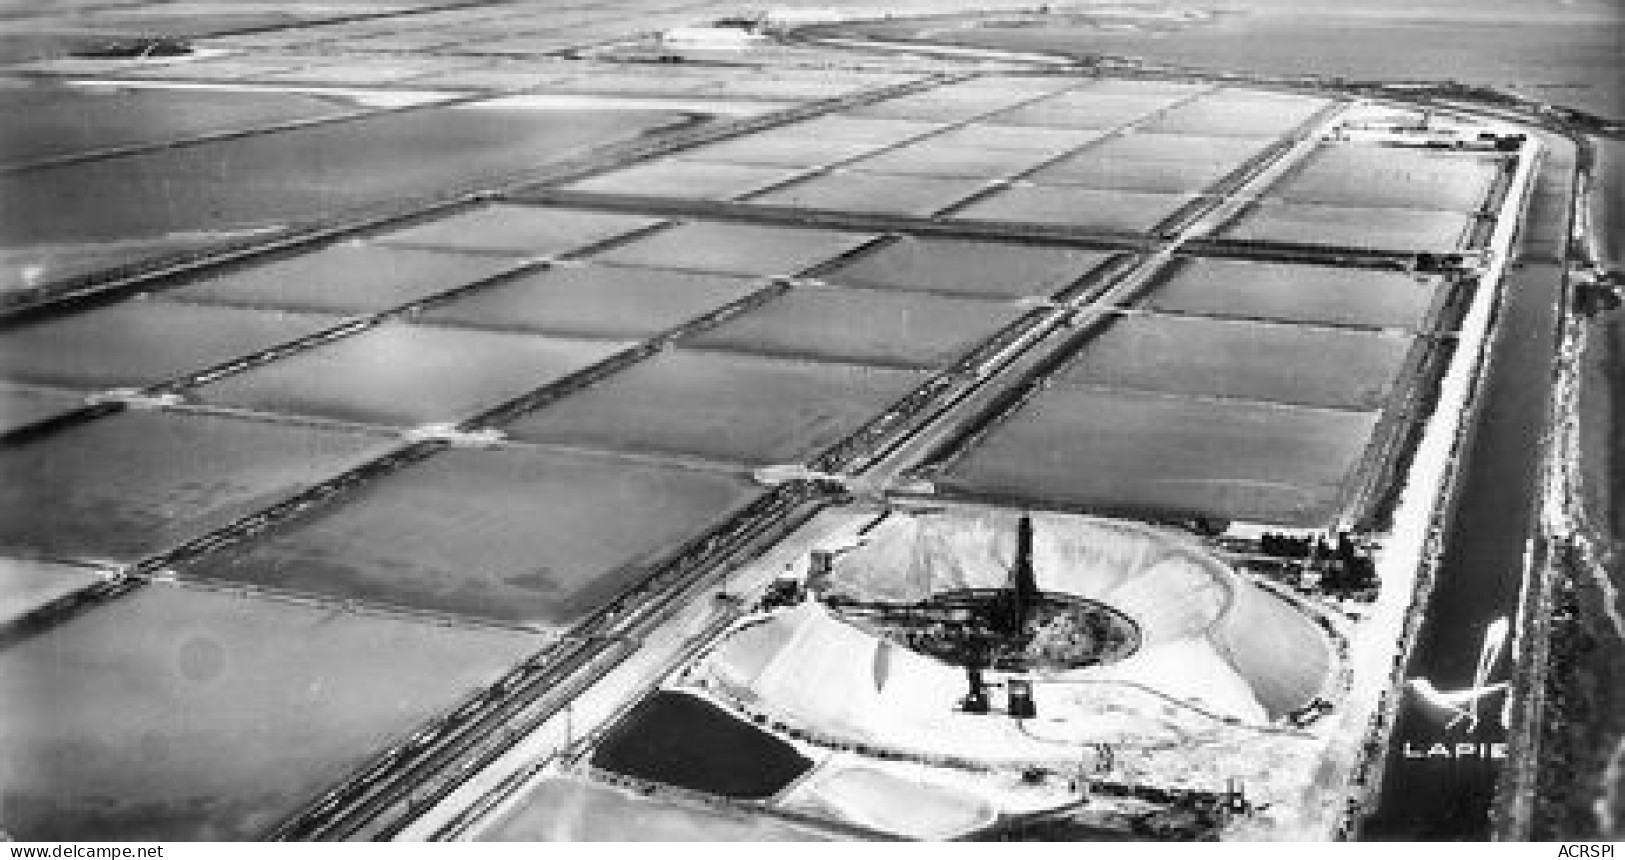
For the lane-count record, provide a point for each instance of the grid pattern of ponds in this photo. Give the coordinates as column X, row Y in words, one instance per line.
column 337, row 582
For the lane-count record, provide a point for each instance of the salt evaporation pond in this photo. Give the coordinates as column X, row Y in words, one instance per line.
column 748, row 409
column 512, row 535
column 880, row 327
column 1387, row 228
column 1295, row 293
column 745, row 249
column 140, row 343
column 1068, row 206
column 175, row 713
column 403, row 374
column 209, row 190
column 503, row 228
column 881, row 193
column 931, row 158
column 992, row 269
column 595, row 301
column 1310, row 366
column 141, row 482
column 1148, row 453
column 45, row 121
column 347, row 278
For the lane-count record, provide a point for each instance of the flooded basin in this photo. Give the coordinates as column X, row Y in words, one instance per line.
column 511, row 535
column 141, row 482
column 45, row 121
column 748, row 409
column 175, row 713
column 779, row 151
column 1090, row 208
column 1091, row 169
column 1279, row 363
column 1048, row 141
column 1139, row 452
column 1394, row 229
column 889, row 194
column 993, row 269
column 1237, row 114
column 504, row 228
column 880, row 132
column 1296, row 293
column 26, row 585
column 744, row 249
column 1083, row 109
column 297, row 176
column 931, row 158
column 939, row 106
column 679, row 739
column 404, row 374
column 880, row 327
column 696, row 180
column 1152, row 146
column 596, row 301
column 347, row 278
column 1391, row 176
column 574, row 810
column 140, row 343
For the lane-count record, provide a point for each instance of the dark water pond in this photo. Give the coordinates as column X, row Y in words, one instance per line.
column 683, row 740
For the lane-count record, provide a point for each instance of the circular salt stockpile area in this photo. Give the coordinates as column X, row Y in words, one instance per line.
column 1212, row 644
column 1171, row 588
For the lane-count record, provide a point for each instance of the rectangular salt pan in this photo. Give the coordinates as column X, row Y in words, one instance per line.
column 1332, row 368
column 880, row 327
column 1365, row 175
column 779, row 151
column 511, row 535
column 1122, row 211
column 970, row 268
column 597, row 301
column 932, row 159
column 696, row 180
column 349, row 278
column 180, row 714
column 140, row 343
column 735, row 248
column 1155, row 454
column 408, row 374
column 1296, row 293
column 508, row 228
column 852, row 191
column 1401, row 230
column 137, row 483
column 747, row 409
column 1092, row 170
